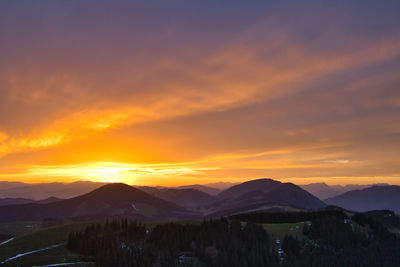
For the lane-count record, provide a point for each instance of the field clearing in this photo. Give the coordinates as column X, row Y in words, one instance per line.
column 47, row 257
column 19, row 228
column 279, row 230
column 40, row 239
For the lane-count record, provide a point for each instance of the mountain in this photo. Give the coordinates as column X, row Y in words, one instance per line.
column 371, row 198
column 324, row 191
column 108, row 200
column 263, row 194
column 48, row 200
column 16, row 201
column 250, row 186
column 4, row 185
column 184, row 197
column 221, row 185
column 45, row 190
column 206, row 189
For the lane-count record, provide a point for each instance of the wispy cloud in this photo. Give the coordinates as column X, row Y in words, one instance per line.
column 285, row 92
column 234, row 76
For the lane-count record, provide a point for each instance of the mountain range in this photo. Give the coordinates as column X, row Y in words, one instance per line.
column 108, row 200
column 16, row 201
column 367, row 199
column 160, row 203
column 151, row 203
column 203, row 188
column 187, row 197
column 324, row 191
column 46, row 190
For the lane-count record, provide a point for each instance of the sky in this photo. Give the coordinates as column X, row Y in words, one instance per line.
column 182, row 92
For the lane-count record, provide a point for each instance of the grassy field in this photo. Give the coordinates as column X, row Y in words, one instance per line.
column 279, row 230
column 51, row 256
column 40, row 238
column 19, row 228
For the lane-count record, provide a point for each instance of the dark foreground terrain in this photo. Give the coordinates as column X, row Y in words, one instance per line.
column 330, row 237
column 257, row 223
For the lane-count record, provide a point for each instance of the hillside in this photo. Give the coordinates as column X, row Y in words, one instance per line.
column 46, row 190
column 108, row 200
column 263, row 194
column 372, row 198
column 16, row 201
column 206, row 189
column 324, row 191
column 184, row 197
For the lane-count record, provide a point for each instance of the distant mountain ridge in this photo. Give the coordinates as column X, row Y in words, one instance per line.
column 206, row 189
column 324, row 191
column 45, row 190
column 68, row 190
column 185, row 197
column 367, row 199
column 108, row 200
column 16, row 201
column 166, row 203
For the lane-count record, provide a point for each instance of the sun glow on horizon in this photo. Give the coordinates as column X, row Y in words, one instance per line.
column 110, row 171
column 175, row 96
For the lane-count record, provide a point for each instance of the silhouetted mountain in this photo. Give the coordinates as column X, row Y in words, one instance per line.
column 17, row 201
column 45, row 190
column 321, row 190
column 14, row 201
column 108, row 200
column 371, row 198
column 263, row 194
column 324, row 191
column 206, row 189
column 4, row 185
column 183, row 197
column 48, row 200
column 264, row 185
column 221, row 185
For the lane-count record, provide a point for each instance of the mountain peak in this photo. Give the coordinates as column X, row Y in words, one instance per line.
column 115, row 186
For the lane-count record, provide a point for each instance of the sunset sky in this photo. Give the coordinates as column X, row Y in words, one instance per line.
column 182, row 92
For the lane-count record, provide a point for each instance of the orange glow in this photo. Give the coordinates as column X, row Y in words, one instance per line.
column 109, row 172
column 164, row 105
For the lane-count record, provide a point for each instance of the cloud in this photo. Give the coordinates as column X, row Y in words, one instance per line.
column 238, row 74
column 291, row 90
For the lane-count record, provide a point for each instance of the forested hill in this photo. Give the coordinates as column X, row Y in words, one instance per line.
column 331, row 236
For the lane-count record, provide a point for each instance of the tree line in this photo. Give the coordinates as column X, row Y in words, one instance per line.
column 329, row 238
column 209, row 243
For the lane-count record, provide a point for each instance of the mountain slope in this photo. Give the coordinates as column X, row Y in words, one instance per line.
column 263, row 194
column 250, row 186
column 14, row 201
column 17, row 201
column 324, row 191
column 183, row 197
column 45, row 190
column 206, row 189
column 372, row 198
column 108, row 200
